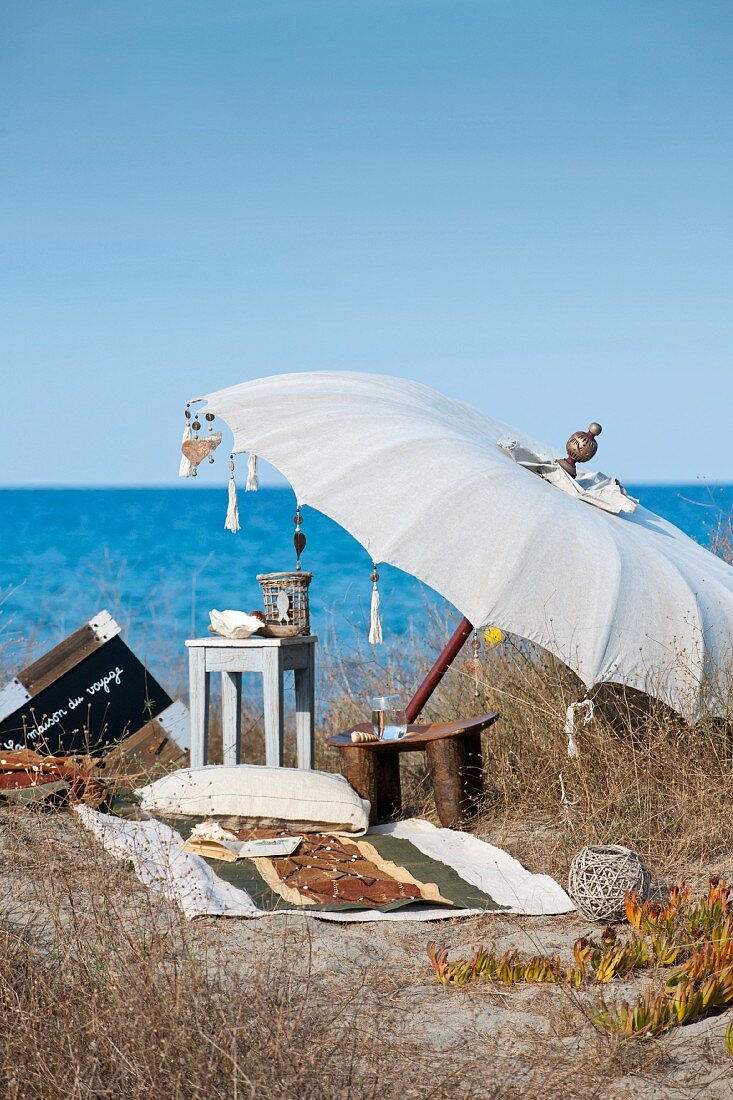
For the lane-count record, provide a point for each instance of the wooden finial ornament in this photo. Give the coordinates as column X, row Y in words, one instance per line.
column 581, row 447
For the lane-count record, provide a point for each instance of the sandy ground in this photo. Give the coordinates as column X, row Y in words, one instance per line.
column 539, row 1039
column 542, row 1034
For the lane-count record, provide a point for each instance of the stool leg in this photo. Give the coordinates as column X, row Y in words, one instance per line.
column 445, row 761
column 272, row 681
column 231, row 716
column 358, row 767
column 198, row 686
column 389, row 789
column 304, row 711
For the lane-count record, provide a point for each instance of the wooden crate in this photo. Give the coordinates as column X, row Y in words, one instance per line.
column 86, row 694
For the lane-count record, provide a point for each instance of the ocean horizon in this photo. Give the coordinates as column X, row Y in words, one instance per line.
column 159, row 560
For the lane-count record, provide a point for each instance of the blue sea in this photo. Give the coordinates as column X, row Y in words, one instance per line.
column 160, row 559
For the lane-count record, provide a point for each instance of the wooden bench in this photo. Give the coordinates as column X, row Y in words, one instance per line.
column 453, row 753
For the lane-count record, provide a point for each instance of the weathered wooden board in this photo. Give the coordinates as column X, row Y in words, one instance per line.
column 86, row 694
column 68, row 653
column 157, row 743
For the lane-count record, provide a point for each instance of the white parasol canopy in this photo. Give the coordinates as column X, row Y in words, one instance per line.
column 423, row 483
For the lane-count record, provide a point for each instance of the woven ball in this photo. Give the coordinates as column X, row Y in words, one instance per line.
column 599, row 877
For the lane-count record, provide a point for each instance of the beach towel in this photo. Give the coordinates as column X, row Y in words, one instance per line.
column 415, row 871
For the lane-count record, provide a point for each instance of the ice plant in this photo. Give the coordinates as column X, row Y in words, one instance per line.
column 692, row 938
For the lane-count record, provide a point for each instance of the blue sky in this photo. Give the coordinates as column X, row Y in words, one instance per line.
column 527, row 205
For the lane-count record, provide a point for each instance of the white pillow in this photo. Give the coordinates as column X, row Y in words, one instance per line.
column 254, row 795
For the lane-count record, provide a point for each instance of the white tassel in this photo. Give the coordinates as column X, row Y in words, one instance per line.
column 375, row 626
column 232, row 521
column 587, row 706
column 253, row 481
column 184, row 470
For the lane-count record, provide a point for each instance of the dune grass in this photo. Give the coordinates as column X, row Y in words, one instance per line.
column 643, row 777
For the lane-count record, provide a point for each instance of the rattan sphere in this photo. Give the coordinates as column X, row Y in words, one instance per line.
column 599, row 877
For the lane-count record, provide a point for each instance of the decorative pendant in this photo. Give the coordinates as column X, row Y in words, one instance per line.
column 299, row 539
column 196, row 450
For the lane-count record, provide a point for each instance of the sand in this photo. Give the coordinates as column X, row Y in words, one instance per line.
column 541, row 1041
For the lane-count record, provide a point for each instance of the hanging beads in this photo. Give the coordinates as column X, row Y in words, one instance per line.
column 184, row 468
column 195, row 427
column 210, row 420
column 476, row 664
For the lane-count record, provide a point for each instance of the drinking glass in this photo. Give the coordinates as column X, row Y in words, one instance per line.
column 388, row 717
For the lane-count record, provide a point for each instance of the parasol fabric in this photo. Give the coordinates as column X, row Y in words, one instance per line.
column 430, row 485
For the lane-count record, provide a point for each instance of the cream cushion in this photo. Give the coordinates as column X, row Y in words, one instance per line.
column 252, row 795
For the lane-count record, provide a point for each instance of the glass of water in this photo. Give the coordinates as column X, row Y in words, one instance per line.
column 388, row 717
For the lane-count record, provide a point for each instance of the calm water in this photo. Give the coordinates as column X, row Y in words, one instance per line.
column 159, row 559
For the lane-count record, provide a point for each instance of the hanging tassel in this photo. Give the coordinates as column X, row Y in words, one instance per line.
column 375, row 627
column 253, row 481
column 184, row 470
column 232, row 521
column 587, row 706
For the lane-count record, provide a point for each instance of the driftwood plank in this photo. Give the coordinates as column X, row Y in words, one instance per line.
column 59, row 660
column 149, row 745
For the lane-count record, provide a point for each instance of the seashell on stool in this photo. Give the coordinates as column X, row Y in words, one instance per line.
column 359, row 737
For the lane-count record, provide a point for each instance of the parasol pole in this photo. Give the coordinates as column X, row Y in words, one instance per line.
column 439, row 669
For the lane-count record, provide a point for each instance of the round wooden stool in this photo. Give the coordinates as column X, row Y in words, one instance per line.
column 453, row 753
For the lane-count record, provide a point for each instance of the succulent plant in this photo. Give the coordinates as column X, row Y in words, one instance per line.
column 693, row 937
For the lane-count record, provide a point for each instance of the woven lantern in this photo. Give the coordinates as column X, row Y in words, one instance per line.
column 285, row 597
column 600, row 875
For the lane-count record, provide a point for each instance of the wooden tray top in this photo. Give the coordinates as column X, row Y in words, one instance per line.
column 417, row 737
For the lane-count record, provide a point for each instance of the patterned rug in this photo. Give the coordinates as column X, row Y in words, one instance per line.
column 409, row 870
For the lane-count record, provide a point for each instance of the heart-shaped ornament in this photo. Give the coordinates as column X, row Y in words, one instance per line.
column 196, row 450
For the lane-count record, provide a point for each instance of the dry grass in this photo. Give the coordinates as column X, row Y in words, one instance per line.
column 106, row 992
column 643, row 778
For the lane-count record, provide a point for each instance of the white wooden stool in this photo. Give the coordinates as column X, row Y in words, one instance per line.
column 271, row 657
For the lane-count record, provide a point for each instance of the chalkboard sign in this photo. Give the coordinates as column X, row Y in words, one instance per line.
column 87, row 694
